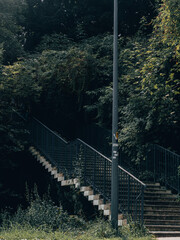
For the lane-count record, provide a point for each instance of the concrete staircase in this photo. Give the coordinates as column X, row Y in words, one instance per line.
column 161, row 207
column 87, row 191
column 161, row 211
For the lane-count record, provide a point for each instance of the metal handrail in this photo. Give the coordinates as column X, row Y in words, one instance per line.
column 136, row 179
column 167, row 150
column 164, row 165
column 50, row 130
column 111, row 162
column 78, row 159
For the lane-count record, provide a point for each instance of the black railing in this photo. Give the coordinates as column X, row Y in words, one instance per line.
column 160, row 164
column 164, row 166
column 78, row 159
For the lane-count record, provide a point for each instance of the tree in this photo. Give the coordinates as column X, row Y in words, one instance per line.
column 81, row 19
column 11, row 34
column 148, row 87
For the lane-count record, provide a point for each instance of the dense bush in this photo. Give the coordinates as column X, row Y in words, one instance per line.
column 44, row 214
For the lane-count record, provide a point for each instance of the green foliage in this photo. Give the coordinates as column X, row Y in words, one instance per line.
column 11, row 33
column 134, row 230
column 56, row 42
column 44, row 214
column 1, row 55
column 82, row 19
column 70, row 76
column 17, row 232
column 102, row 229
column 20, row 81
column 18, row 92
column 148, row 87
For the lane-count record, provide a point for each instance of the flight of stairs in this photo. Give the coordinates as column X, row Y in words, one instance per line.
column 161, row 211
column 161, row 207
column 87, row 191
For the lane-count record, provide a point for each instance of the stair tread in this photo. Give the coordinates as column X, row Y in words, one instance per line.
column 162, row 210
column 149, row 225
column 163, row 221
column 164, row 232
column 163, row 215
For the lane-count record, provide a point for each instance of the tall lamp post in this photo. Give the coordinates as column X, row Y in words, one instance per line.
column 114, row 173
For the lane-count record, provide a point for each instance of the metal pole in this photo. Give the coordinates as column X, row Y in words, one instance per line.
column 114, row 174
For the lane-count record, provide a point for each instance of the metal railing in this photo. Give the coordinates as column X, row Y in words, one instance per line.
column 78, row 159
column 164, row 166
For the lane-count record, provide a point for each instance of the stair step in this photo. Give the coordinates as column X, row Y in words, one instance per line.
column 107, row 212
column 166, row 212
column 165, row 233
column 161, row 222
column 106, row 206
column 60, row 179
column 77, row 185
column 149, row 184
column 58, row 175
column 97, row 202
column 161, row 207
column 88, row 193
column 161, row 189
column 68, row 182
column 94, row 197
column 162, row 202
column 46, row 165
column 159, row 192
column 158, row 198
column 85, row 188
column 163, row 227
column 162, row 216
column 54, row 172
column 50, row 169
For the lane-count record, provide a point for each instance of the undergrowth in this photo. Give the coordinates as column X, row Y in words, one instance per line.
column 43, row 220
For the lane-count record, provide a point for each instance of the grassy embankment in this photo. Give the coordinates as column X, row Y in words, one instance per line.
column 43, row 220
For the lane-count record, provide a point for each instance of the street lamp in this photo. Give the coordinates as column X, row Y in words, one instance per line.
column 114, row 173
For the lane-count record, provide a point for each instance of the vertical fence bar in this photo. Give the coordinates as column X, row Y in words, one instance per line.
column 142, row 204
column 104, row 181
column 178, row 160
column 85, row 162
column 128, row 194
column 94, row 172
column 165, row 174
column 154, row 158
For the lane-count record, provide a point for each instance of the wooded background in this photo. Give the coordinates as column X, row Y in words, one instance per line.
column 56, row 64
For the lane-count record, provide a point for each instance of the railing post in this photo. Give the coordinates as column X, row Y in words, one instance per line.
column 165, row 174
column 178, row 170
column 70, row 159
column 94, row 172
column 128, row 194
column 142, row 204
column 154, row 158
column 84, row 153
column 77, row 160
column 104, row 181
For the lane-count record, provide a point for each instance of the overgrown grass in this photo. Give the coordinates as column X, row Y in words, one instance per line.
column 17, row 232
column 43, row 220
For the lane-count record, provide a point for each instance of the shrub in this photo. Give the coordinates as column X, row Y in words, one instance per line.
column 134, row 230
column 45, row 214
